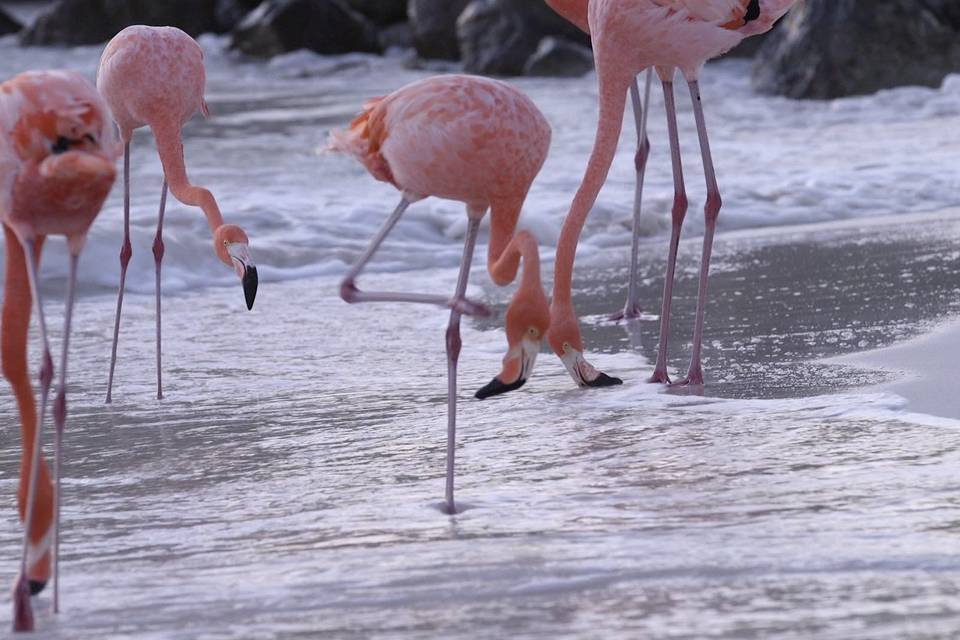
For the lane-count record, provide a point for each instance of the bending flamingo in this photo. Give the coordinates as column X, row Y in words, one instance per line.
column 628, row 37
column 57, row 156
column 154, row 76
column 576, row 12
column 480, row 142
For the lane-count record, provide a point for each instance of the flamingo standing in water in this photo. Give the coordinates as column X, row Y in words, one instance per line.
column 57, row 156
column 154, row 76
column 628, row 37
column 480, row 142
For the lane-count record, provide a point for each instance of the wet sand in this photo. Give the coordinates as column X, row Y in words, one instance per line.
column 288, row 484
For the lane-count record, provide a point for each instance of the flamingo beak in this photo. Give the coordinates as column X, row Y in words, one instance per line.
column 584, row 373
column 246, row 271
column 529, row 349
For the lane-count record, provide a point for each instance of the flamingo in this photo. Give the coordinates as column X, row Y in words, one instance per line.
column 154, row 76
column 628, row 37
column 57, row 156
column 476, row 141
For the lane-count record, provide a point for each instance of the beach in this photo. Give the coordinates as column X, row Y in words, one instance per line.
column 289, row 484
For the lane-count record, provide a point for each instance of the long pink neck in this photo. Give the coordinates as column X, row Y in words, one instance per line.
column 573, row 10
column 170, row 147
column 613, row 98
column 506, row 252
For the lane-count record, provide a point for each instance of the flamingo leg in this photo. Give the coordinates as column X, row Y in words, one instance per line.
column 678, row 214
column 158, row 250
column 352, row 295
column 22, row 611
column 454, row 343
column 632, row 308
column 711, row 213
column 60, row 421
column 126, row 252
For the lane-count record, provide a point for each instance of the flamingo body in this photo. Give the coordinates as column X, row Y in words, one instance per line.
column 152, row 75
column 448, row 137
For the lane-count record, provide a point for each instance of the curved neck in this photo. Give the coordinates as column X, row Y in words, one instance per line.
column 507, row 249
column 17, row 305
column 170, row 147
column 613, row 100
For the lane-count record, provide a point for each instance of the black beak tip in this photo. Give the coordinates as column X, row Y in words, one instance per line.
column 497, row 388
column 250, row 282
column 603, row 380
column 36, row 586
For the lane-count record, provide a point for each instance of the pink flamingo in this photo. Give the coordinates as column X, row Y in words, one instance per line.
column 57, row 156
column 630, row 36
column 480, row 142
column 154, row 76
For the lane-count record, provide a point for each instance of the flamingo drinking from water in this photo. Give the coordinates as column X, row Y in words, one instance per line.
column 57, row 156
column 154, row 76
column 480, row 142
column 628, row 37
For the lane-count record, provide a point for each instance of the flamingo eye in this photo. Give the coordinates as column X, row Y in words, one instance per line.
column 62, row 145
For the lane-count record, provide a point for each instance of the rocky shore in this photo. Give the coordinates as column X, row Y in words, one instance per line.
column 823, row 49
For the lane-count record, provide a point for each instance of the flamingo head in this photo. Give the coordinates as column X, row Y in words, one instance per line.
column 764, row 14
column 527, row 322
column 233, row 248
column 64, row 141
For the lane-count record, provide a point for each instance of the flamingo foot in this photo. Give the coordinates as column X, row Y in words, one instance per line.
column 22, row 610
column 471, row 308
column 660, row 376
column 694, row 379
column 629, row 312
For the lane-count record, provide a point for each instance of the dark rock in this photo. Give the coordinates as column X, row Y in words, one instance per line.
column 230, row 13
column 323, row 26
column 76, row 22
column 381, row 12
column 833, row 48
column 499, row 36
column 8, row 24
column 560, row 58
column 397, row 35
column 435, row 27
column 947, row 11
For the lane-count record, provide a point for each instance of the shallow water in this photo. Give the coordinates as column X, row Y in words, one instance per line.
column 288, row 485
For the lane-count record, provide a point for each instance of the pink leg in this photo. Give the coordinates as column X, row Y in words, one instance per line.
column 60, row 421
column 22, row 610
column 660, row 374
column 711, row 213
column 632, row 308
column 453, row 355
column 126, row 252
column 158, row 251
column 351, row 294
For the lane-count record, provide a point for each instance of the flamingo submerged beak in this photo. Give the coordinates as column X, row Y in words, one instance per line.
column 246, row 271
column 529, row 349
